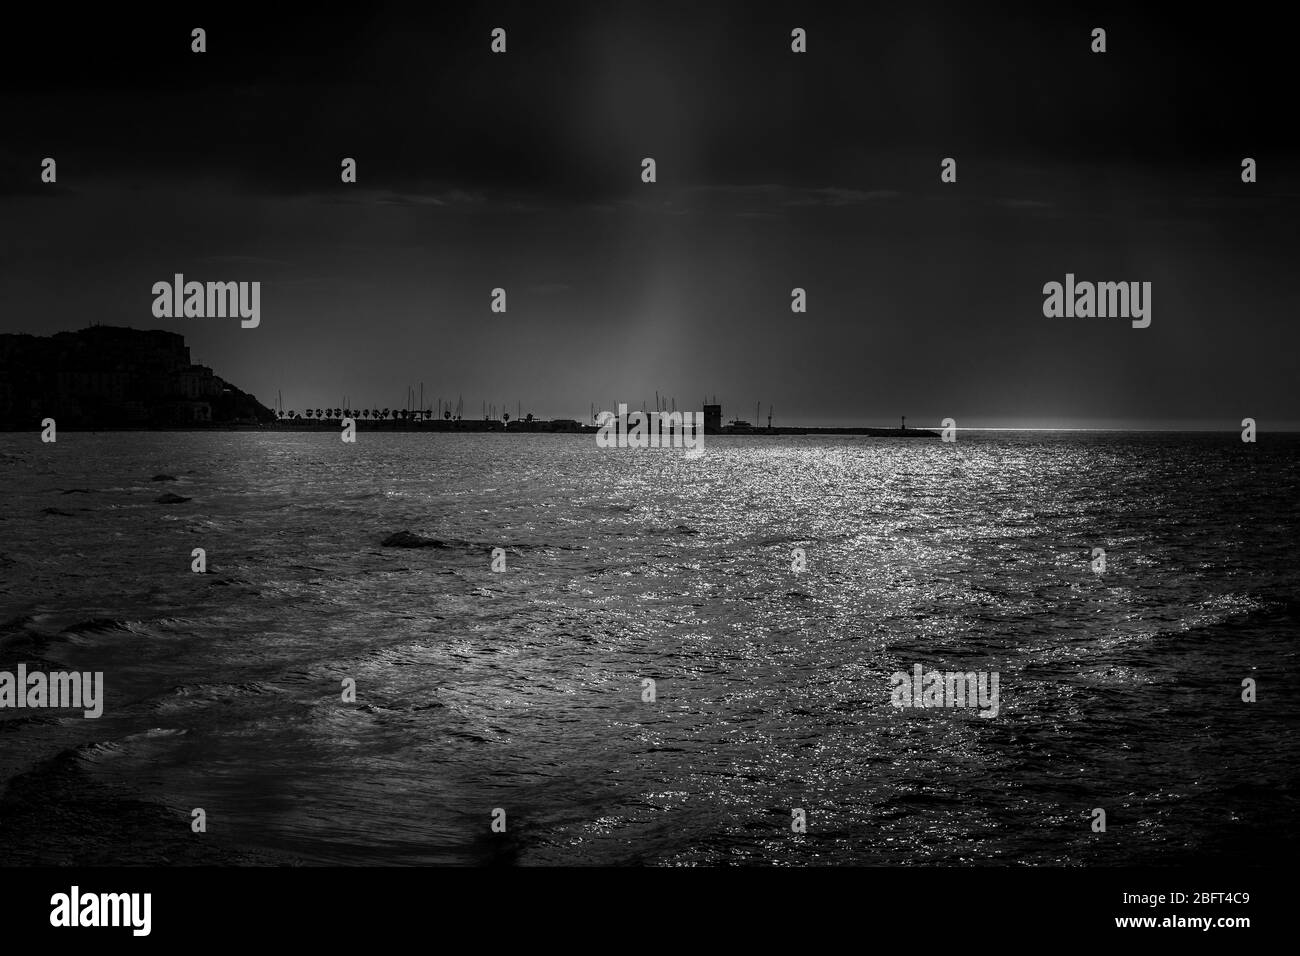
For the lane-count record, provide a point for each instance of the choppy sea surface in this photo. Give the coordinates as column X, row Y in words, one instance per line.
column 522, row 690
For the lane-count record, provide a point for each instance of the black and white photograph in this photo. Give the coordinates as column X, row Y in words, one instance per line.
column 593, row 438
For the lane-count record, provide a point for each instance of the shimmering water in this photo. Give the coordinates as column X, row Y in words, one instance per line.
column 522, row 690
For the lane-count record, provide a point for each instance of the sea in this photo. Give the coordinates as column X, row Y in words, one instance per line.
column 672, row 656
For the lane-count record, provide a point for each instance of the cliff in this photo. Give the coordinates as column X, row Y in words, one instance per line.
column 112, row 377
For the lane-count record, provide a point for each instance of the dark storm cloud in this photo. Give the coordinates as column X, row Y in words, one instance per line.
column 587, row 89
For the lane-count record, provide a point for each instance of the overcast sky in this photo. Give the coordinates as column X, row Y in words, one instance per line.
column 775, row 170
